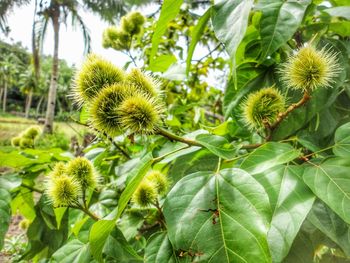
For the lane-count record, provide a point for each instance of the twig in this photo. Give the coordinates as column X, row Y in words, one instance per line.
column 174, row 137
column 126, row 155
column 32, row 188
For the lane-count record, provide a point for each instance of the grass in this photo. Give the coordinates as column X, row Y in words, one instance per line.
column 11, row 126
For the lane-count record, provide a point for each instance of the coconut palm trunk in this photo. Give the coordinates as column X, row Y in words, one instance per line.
column 50, row 111
column 28, row 103
column 4, row 97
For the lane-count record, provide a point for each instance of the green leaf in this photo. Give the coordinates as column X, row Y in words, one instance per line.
column 339, row 11
column 330, row 181
column 329, row 223
column 137, row 175
column 98, row 235
column 196, row 35
column 162, row 63
column 341, row 28
column 84, row 114
column 170, row 8
column 279, row 22
column 217, row 145
column 73, row 252
column 159, row 249
column 267, row 156
column 291, row 200
column 230, row 20
column 206, row 213
column 342, row 141
column 117, row 247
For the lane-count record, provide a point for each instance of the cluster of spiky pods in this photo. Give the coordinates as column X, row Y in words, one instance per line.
column 153, row 185
column 27, row 138
column 118, row 102
column 306, row 70
column 120, row 37
column 67, row 183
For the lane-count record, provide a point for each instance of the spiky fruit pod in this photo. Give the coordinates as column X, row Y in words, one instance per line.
column 160, row 181
column 133, row 22
column 104, row 111
column 109, row 35
column 82, row 170
column 59, row 170
column 309, row 69
column 63, row 191
column 15, row 141
column 145, row 194
column 116, row 38
column 263, row 107
column 26, row 143
column 140, row 113
column 143, row 82
column 32, row 132
column 95, row 74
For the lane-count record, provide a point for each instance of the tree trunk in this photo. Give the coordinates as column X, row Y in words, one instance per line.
column 4, row 98
column 28, row 103
column 50, row 111
column 38, row 106
column 1, row 91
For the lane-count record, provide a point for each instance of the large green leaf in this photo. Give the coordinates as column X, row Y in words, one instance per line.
column 195, row 36
column 322, row 217
column 98, row 236
column 330, row 181
column 268, row 155
column 136, row 177
column 170, row 8
column 159, row 249
column 291, row 201
column 230, row 20
column 74, row 251
column 342, row 141
column 340, row 11
column 7, row 183
column 217, row 145
column 162, row 63
column 219, row 217
column 279, row 22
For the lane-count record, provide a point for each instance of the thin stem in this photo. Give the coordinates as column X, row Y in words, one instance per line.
column 123, row 152
column 32, row 188
column 159, row 158
column 251, row 146
column 174, row 137
column 319, row 151
column 86, row 211
column 219, row 165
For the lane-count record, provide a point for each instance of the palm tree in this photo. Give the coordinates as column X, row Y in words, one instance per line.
column 7, row 6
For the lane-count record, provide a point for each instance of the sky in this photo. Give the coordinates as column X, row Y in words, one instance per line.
column 71, row 47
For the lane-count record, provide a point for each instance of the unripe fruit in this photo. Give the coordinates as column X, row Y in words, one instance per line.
column 133, row 22
column 145, row 194
column 104, row 108
column 160, row 181
column 59, row 170
column 63, row 191
column 262, row 107
column 15, row 141
column 32, row 132
column 143, row 82
column 309, row 69
column 82, row 170
column 26, row 143
column 95, row 74
column 140, row 113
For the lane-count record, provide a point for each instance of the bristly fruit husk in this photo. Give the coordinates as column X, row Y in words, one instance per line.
column 133, row 22
column 82, row 170
column 26, row 143
column 63, row 191
column 262, row 107
column 59, row 170
column 95, row 74
column 160, row 180
column 145, row 194
column 140, row 113
column 309, row 69
column 15, row 141
column 104, row 111
column 32, row 132
column 143, row 82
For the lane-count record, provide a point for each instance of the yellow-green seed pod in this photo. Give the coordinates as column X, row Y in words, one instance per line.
column 32, row 132
column 160, row 180
column 95, row 74
column 140, row 113
column 26, row 143
column 132, row 23
column 143, row 82
column 309, row 69
column 263, row 106
column 145, row 194
column 59, row 170
column 24, row 224
column 104, row 109
column 15, row 141
column 63, row 191
column 82, row 170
